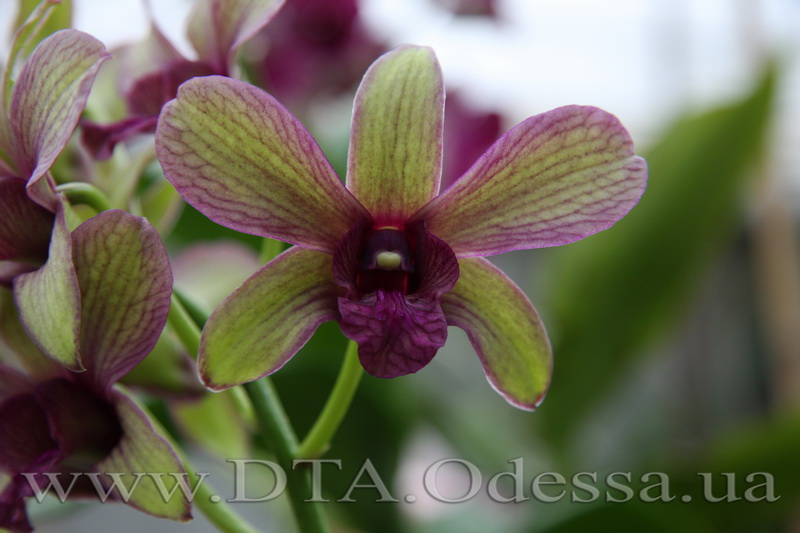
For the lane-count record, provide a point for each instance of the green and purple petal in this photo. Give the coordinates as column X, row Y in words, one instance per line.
column 239, row 157
column 553, row 179
column 48, row 299
column 217, row 28
column 142, row 449
column 49, row 96
column 395, row 157
column 125, row 282
column 504, row 329
column 262, row 324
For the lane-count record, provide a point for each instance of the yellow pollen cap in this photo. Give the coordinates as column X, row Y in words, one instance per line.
column 389, row 260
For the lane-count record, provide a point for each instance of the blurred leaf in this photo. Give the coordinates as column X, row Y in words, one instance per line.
column 631, row 516
column 216, row 423
column 618, row 289
column 60, row 18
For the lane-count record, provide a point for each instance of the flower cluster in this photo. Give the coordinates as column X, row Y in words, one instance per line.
column 395, row 253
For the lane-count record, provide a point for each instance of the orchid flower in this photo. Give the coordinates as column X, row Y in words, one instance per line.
column 154, row 69
column 36, row 123
column 387, row 256
column 53, row 420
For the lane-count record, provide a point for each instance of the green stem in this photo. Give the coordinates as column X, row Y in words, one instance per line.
column 205, row 498
column 187, row 329
column 282, row 440
column 216, row 509
column 85, row 193
column 318, row 439
column 273, row 422
column 270, row 248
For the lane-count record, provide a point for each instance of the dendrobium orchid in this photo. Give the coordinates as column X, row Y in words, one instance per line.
column 80, row 425
column 154, row 69
column 37, row 120
column 389, row 257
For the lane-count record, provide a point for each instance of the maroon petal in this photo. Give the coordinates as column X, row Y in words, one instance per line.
column 100, row 139
column 396, row 334
column 25, row 227
column 24, row 433
column 85, row 426
column 398, row 331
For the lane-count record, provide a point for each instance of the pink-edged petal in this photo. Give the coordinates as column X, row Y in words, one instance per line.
column 25, row 226
column 262, row 324
column 238, row 156
column 553, row 179
column 143, row 449
column 48, row 299
column 126, row 283
column 49, row 96
column 217, row 28
column 395, row 158
column 504, row 329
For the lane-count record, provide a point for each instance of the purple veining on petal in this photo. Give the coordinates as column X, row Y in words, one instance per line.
column 49, row 96
column 396, row 334
column 553, row 179
column 126, row 283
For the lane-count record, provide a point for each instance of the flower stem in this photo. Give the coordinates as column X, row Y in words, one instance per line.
column 215, row 509
column 319, row 437
column 187, row 330
column 85, row 193
column 273, row 422
column 283, row 442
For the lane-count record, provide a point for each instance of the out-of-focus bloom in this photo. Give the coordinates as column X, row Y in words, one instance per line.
column 154, row 69
column 315, row 48
column 387, row 256
column 468, row 133
column 35, row 246
column 79, row 424
column 472, row 8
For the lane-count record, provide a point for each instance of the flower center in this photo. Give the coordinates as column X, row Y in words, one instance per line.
column 385, row 261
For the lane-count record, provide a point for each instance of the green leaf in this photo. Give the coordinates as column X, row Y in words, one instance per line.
column 616, row 291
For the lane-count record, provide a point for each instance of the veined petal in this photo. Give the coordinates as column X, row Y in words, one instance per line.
column 125, row 283
column 553, row 179
column 217, row 28
column 504, row 329
column 259, row 327
column 143, row 449
column 49, row 96
column 48, row 299
column 396, row 334
column 238, row 156
column 395, row 158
